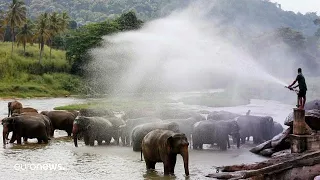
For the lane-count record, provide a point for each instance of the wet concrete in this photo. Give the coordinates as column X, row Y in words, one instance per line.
column 117, row 162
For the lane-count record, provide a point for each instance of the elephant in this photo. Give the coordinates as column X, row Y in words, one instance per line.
column 134, row 114
column 140, row 131
column 232, row 128
column 93, row 112
column 259, row 127
column 222, row 115
column 277, row 129
column 92, row 128
column 62, row 120
column 25, row 126
column 178, row 114
column 14, row 106
column 125, row 130
column 36, row 116
column 185, row 125
column 25, row 110
column 163, row 146
column 116, row 124
column 210, row 132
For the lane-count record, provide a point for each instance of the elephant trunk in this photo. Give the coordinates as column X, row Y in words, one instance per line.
column 9, row 104
column 4, row 134
column 185, row 156
column 75, row 134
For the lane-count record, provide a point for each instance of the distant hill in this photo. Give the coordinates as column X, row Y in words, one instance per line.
column 235, row 12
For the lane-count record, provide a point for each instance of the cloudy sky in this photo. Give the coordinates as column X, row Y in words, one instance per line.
column 302, row 6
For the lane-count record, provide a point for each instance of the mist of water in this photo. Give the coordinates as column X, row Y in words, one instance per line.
column 184, row 49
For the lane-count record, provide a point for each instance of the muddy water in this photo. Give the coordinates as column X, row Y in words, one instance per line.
column 115, row 162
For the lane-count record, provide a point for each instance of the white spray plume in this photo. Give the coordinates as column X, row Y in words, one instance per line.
column 177, row 50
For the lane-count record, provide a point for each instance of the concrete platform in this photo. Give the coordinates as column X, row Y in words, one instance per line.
column 301, row 143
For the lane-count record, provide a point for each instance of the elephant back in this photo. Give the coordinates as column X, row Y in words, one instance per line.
column 116, row 122
column 222, row 115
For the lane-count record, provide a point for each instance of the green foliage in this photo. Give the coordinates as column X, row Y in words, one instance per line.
column 90, row 36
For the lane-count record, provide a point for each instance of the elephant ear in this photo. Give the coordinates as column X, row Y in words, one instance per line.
column 169, row 143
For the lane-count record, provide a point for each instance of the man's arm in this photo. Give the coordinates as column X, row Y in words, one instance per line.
column 292, row 83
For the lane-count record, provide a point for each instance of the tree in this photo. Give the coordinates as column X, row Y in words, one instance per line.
column 15, row 17
column 54, row 26
column 42, row 32
column 25, row 36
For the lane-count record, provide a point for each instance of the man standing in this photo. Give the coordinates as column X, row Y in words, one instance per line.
column 302, row 88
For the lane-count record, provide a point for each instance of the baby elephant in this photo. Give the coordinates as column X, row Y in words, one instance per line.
column 163, row 146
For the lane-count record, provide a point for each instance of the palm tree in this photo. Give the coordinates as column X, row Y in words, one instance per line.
column 42, row 32
column 25, row 36
column 64, row 23
column 15, row 17
column 54, row 28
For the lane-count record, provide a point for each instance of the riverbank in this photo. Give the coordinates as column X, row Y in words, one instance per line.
column 23, row 76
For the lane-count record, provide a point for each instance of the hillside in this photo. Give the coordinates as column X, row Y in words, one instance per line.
column 267, row 14
column 23, row 76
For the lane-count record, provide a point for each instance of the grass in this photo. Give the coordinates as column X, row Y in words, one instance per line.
column 123, row 103
column 22, row 76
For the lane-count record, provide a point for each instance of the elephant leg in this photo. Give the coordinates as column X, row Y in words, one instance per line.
column 107, row 140
column 243, row 139
column 39, row 140
column 52, row 132
column 166, row 166
column 173, row 160
column 228, row 142
column 86, row 139
column 46, row 140
column 150, row 164
column 69, row 133
column 18, row 139
column 99, row 141
column 91, row 141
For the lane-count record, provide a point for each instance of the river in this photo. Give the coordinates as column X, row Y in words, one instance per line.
column 29, row 161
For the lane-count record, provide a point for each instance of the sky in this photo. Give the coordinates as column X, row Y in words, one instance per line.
column 302, row 6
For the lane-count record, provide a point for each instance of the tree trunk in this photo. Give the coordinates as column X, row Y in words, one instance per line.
column 12, row 38
column 41, row 50
column 50, row 43
column 24, row 49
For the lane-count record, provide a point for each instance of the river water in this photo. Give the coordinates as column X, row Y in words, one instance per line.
column 65, row 161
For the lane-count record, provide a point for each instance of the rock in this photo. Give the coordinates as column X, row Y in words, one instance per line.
column 260, row 147
column 267, row 152
column 281, row 153
column 289, row 120
column 315, row 104
column 312, row 118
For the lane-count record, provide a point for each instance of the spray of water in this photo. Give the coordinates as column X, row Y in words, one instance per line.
column 184, row 49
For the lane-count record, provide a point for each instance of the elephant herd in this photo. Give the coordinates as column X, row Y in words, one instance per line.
column 158, row 136
column 102, row 125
